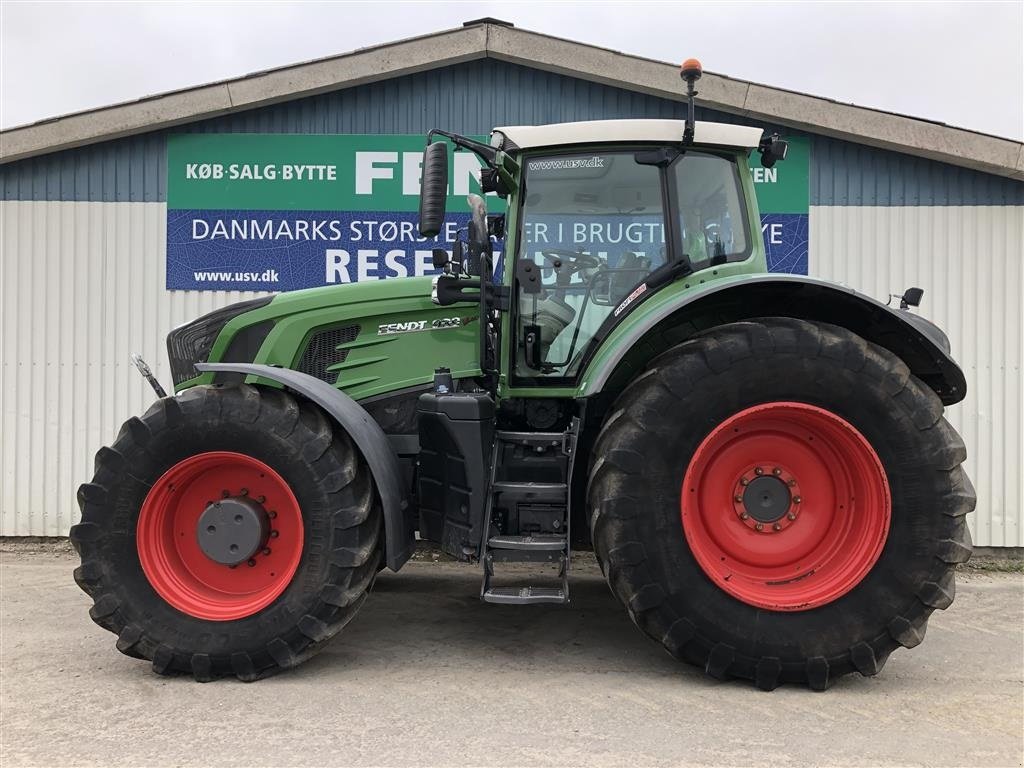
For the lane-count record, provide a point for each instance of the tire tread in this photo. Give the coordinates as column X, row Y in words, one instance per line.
column 617, row 466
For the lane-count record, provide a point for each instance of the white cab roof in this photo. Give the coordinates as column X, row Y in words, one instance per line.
column 601, row 131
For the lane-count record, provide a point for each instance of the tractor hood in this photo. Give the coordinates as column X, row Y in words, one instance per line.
column 352, row 293
column 367, row 339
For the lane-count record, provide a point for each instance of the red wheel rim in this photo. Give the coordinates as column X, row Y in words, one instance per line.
column 169, row 551
column 785, row 506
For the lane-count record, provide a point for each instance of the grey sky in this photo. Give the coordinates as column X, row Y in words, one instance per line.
column 960, row 62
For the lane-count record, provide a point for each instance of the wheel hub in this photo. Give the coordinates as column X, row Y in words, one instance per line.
column 766, row 499
column 232, row 530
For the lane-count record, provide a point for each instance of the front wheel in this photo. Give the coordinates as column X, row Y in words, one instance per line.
column 781, row 501
column 228, row 531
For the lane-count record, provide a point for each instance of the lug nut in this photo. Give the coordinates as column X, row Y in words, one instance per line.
column 245, row 491
column 744, row 481
column 777, row 527
column 273, row 534
column 759, row 527
column 266, row 550
column 738, row 498
column 797, row 499
column 252, row 563
column 225, row 494
column 272, row 514
column 261, row 499
column 791, row 483
column 776, row 471
column 758, row 471
column 744, row 516
column 791, row 516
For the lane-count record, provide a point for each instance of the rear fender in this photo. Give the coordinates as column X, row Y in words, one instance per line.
column 663, row 321
column 365, row 433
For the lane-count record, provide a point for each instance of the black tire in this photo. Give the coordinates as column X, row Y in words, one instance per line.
column 341, row 517
column 654, row 429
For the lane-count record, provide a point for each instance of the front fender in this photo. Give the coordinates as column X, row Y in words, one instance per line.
column 669, row 316
column 365, row 433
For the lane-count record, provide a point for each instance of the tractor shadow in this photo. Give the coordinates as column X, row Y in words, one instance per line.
column 431, row 615
column 428, row 620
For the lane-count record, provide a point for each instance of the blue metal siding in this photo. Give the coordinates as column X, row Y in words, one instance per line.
column 472, row 98
column 844, row 173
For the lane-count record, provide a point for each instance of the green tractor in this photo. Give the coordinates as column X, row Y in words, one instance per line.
column 759, row 461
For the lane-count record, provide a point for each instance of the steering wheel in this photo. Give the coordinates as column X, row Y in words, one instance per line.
column 573, row 261
column 567, row 263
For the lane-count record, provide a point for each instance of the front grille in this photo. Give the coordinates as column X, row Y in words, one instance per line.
column 322, row 352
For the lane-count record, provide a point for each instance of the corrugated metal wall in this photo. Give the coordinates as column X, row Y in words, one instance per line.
column 82, row 269
column 81, row 286
column 969, row 261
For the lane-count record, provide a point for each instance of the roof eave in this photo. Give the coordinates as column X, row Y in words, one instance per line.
column 244, row 93
column 956, row 146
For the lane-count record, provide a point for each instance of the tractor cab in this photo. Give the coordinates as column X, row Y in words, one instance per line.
column 604, row 222
column 600, row 216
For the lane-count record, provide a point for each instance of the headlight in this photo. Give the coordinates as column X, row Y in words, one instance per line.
column 191, row 343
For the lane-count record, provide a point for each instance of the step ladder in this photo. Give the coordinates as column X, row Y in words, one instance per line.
column 549, row 547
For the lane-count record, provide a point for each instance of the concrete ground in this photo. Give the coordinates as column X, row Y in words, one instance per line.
column 427, row 675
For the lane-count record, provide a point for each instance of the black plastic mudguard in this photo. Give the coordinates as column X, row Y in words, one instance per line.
column 365, row 433
column 918, row 342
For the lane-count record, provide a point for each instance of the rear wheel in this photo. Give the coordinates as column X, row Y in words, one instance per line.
column 228, row 531
column 781, row 501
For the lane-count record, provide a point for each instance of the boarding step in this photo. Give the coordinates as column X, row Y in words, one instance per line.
column 555, row 490
column 536, row 514
column 540, row 541
column 531, row 548
column 524, row 595
column 508, row 594
column 542, row 439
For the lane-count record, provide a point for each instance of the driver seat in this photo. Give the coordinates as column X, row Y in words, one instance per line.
column 552, row 316
column 630, row 271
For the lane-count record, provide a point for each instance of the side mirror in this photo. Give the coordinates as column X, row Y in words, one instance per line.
column 433, row 188
column 772, row 150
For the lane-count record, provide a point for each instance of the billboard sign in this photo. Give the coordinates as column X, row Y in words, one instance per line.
column 280, row 212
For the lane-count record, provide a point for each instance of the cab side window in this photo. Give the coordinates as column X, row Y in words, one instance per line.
column 712, row 223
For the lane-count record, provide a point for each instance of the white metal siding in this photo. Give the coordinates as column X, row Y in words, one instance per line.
column 968, row 259
column 81, row 286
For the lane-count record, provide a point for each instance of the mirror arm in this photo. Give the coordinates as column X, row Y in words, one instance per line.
column 485, row 152
column 494, row 158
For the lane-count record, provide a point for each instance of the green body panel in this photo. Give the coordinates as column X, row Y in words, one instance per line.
column 377, row 363
column 673, row 293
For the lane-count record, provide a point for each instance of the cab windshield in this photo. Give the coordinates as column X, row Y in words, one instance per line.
column 594, row 227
